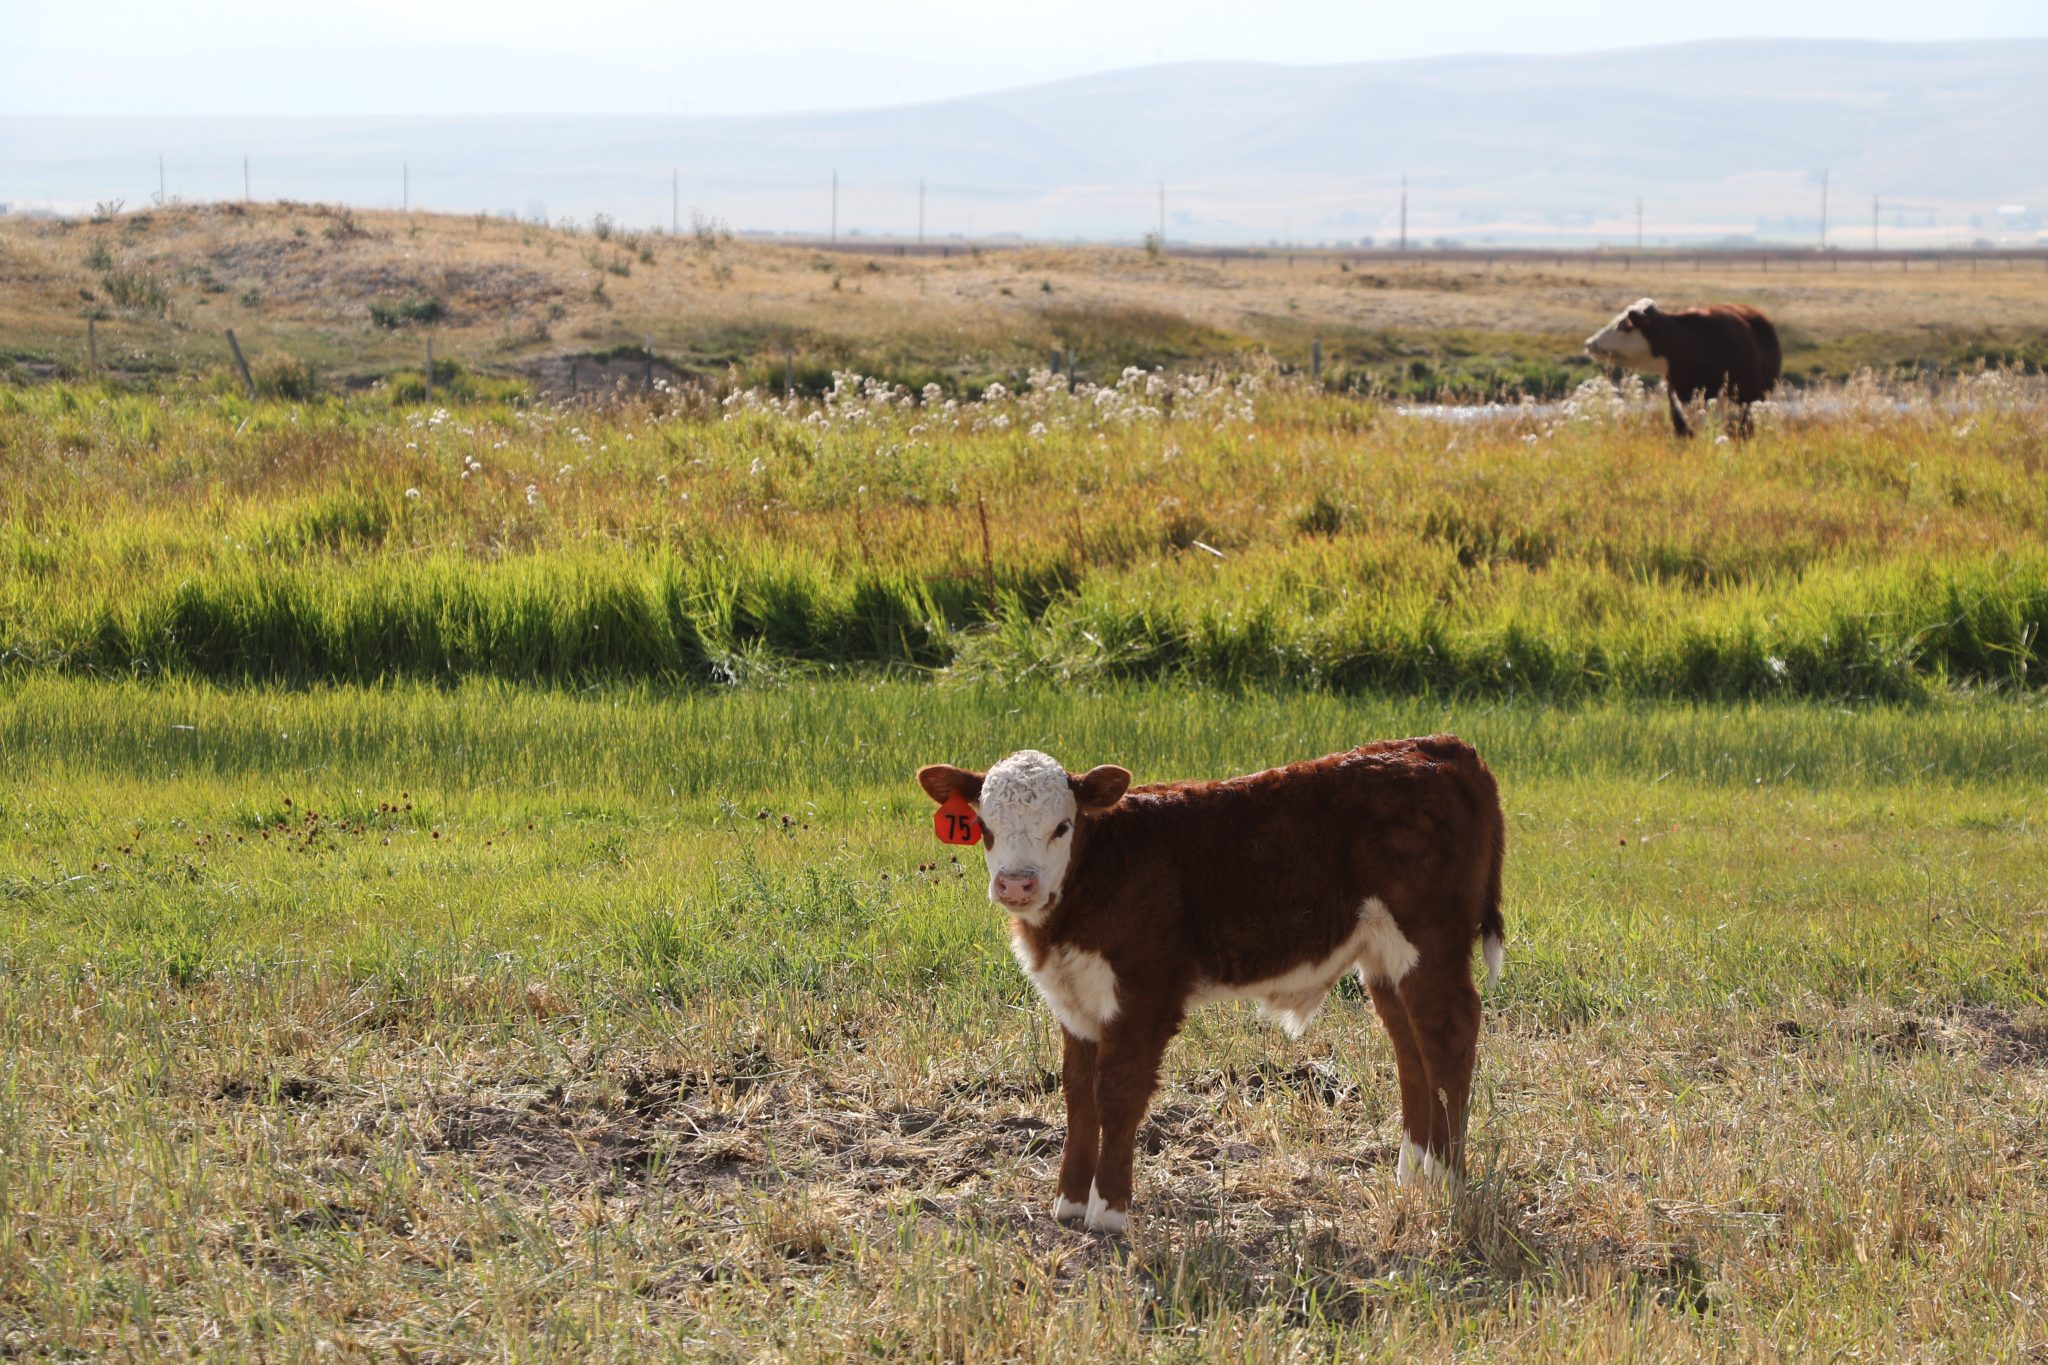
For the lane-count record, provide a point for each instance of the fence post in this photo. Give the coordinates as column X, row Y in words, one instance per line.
column 788, row 373
column 92, row 346
column 988, row 555
column 649, row 347
column 1315, row 359
column 1054, row 363
column 1070, row 366
column 240, row 363
column 430, row 369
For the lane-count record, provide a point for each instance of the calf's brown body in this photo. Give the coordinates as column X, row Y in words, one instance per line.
column 1385, row 860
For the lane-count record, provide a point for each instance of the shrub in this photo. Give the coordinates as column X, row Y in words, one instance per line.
column 343, row 227
column 708, row 233
column 285, row 377
column 137, row 291
column 417, row 309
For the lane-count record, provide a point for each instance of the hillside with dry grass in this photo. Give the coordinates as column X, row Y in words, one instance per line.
column 327, row 296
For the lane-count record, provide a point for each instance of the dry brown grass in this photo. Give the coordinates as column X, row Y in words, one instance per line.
column 728, row 1180
column 301, row 278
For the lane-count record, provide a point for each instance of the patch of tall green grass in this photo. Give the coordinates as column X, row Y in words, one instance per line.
column 1242, row 531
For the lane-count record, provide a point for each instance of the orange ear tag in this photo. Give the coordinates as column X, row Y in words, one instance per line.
column 956, row 822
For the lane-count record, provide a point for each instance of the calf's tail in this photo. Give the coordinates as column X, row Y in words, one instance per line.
column 1493, row 930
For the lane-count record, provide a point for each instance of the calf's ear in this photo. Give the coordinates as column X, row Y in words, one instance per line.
column 942, row 780
column 1100, row 788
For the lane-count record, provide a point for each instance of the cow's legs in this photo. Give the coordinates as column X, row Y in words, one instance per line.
column 1443, row 1011
column 1084, row 1138
column 1126, row 1075
column 1677, row 412
column 1415, row 1105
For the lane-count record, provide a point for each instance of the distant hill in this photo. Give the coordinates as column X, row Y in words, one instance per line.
column 1725, row 139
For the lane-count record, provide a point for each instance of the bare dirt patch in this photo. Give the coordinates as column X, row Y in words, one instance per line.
column 578, row 375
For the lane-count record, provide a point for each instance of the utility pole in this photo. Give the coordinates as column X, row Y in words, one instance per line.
column 245, row 178
column 920, row 210
column 1162, row 215
column 405, row 194
column 675, row 201
column 1824, row 208
column 161, row 196
column 835, row 204
column 1404, row 210
column 1639, row 222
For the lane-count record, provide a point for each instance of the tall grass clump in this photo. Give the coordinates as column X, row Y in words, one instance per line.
column 1233, row 530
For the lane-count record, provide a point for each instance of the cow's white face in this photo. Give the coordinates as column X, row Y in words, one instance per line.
column 1028, row 809
column 1621, row 342
column 1029, row 806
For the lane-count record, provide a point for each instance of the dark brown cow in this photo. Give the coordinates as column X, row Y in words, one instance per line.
column 1724, row 349
column 1130, row 905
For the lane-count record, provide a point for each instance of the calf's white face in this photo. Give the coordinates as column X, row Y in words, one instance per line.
column 1028, row 806
column 1621, row 342
column 1028, row 809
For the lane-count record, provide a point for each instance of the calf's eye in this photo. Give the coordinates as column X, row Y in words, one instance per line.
column 1066, row 826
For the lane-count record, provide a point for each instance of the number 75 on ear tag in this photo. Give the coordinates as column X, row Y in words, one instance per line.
column 956, row 822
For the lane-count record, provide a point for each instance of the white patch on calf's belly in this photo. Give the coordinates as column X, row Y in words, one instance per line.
column 1375, row 949
column 1387, row 955
column 1079, row 985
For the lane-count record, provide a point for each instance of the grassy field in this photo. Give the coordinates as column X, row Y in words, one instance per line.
column 496, row 1020
column 1244, row 532
column 463, row 894
column 327, row 297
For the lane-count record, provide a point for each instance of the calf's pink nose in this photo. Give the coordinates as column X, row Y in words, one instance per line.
column 1016, row 890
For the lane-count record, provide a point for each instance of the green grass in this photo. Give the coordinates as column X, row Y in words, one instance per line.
column 523, row 1030
column 1244, row 533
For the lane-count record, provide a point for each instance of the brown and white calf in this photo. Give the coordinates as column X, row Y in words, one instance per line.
column 1131, row 905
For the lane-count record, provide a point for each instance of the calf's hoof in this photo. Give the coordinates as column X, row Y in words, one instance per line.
column 1102, row 1218
column 1065, row 1210
column 1418, row 1165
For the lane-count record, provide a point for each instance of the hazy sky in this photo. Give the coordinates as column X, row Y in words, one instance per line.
column 643, row 56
